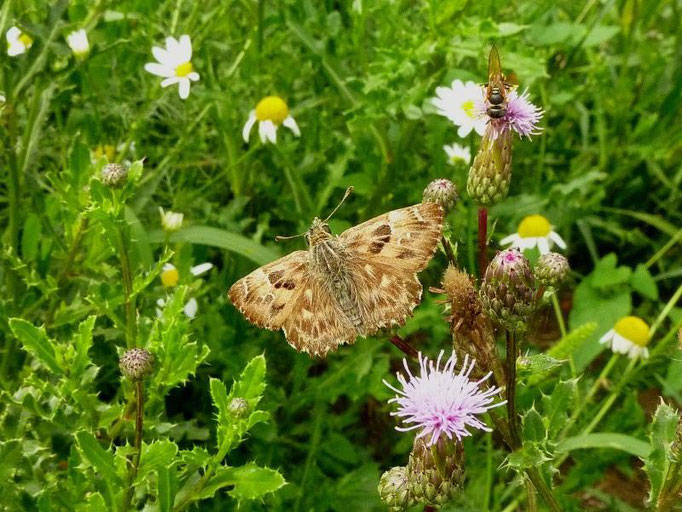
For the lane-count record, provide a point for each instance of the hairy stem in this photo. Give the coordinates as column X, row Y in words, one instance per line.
column 482, row 241
column 404, row 346
column 512, row 354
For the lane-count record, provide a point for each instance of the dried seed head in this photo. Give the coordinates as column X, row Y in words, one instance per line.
column 552, row 269
column 436, row 473
column 239, row 407
column 507, row 290
column 463, row 297
column 136, row 363
column 114, row 175
column 443, row 192
column 394, row 489
column 490, row 174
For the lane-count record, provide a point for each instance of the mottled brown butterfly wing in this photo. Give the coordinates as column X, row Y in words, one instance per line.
column 381, row 257
column 386, row 254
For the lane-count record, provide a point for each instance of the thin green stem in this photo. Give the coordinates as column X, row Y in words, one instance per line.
column 512, row 354
column 559, row 315
column 139, row 422
column 530, row 494
column 665, row 311
column 128, row 292
column 482, row 241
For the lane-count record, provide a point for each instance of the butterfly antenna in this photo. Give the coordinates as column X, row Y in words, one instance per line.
column 345, row 196
column 278, row 237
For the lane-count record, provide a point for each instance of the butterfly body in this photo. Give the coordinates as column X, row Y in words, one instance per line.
column 344, row 286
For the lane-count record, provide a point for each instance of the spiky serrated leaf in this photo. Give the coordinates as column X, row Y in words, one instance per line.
column 167, row 485
column 248, row 482
column 35, row 341
column 531, row 455
column 533, row 426
column 532, row 365
column 82, row 343
column 661, row 438
column 155, row 455
column 557, row 405
column 99, row 458
column 251, row 382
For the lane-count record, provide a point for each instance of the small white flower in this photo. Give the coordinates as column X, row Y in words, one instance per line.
column 629, row 336
column 174, row 64
column 2, row 98
column 464, row 105
column 78, row 42
column 197, row 270
column 271, row 112
column 457, row 153
column 17, row 41
column 534, row 231
column 191, row 308
column 171, row 221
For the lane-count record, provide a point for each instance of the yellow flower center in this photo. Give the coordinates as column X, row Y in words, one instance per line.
column 183, row 69
column 272, row 108
column 534, row 226
column 468, row 107
column 170, row 277
column 634, row 329
column 26, row 40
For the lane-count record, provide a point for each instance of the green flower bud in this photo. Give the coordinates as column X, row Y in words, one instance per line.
column 114, row 175
column 239, row 407
column 436, row 473
column 394, row 489
column 490, row 174
column 507, row 290
column 136, row 363
column 443, row 192
column 552, row 269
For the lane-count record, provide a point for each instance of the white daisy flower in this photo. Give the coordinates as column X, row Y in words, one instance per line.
column 174, row 64
column 17, row 41
column 464, row 105
column 170, row 220
column 534, row 231
column 270, row 112
column 78, row 42
column 457, row 153
column 629, row 336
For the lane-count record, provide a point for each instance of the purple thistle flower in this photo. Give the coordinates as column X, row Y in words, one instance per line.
column 440, row 401
column 522, row 116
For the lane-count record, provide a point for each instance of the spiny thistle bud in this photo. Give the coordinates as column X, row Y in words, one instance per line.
column 552, row 269
column 136, row 363
column 443, row 192
column 507, row 290
column 489, row 176
column 394, row 489
column 114, row 175
column 464, row 301
column 239, row 407
column 436, row 472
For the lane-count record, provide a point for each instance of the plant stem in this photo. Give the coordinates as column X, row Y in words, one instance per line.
column 512, row 354
column 447, row 247
column 139, row 419
column 482, row 241
column 545, row 492
column 530, row 493
column 404, row 346
column 128, row 292
column 559, row 315
column 612, row 398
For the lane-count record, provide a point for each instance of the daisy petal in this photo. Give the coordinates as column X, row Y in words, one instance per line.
column 290, row 123
column 159, row 69
column 169, row 81
column 162, row 55
column 183, row 89
column 185, row 48
column 248, row 125
column 197, row 270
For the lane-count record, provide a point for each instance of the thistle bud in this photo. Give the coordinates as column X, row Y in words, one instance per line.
column 114, row 175
column 239, row 407
column 136, row 363
column 490, row 174
column 436, row 472
column 507, row 290
column 443, row 192
column 551, row 269
column 394, row 489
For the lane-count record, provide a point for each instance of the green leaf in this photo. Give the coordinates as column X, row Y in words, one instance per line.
column 99, row 458
column 155, row 455
column 657, row 461
column 537, row 363
column 567, row 345
column 82, row 343
column 140, row 240
column 606, row 274
column 167, row 484
column 251, row 383
column 30, row 237
column 36, row 342
column 219, row 396
column 609, row 440
column 531, row 455
column 216, row 237
column 533, row 426
column 249, row 481
column 642, row 282
column 556, row 406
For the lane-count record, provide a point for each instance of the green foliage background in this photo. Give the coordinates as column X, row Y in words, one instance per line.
column 358, row 77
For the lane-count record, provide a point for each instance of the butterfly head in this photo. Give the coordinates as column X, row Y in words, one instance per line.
column 318, row 232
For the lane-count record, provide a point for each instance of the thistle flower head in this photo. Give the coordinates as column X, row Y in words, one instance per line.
column 443, row 192
column 239, row 407
column 394, row 489
column 114, row 175
column 441, row 402
column 136, row 363
column 436, row 472
column 522, row 116
column 551, row 269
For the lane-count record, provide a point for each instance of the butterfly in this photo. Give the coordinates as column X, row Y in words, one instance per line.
column 344, row 286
